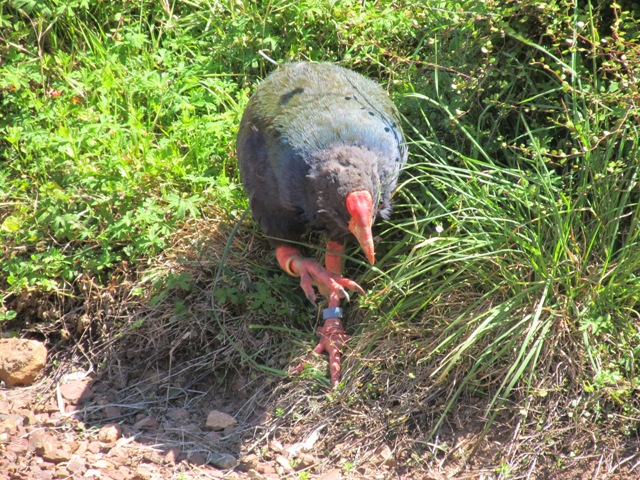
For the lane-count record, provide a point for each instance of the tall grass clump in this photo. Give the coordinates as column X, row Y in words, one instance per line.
column 514, row 275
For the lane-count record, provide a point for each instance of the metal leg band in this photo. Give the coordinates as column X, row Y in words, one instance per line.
column 333, row 312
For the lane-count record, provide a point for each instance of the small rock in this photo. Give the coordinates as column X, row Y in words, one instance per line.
column 48, row 407
column 213, row 437
column 111, row 411
column 118, row 454
column 125, row 471
column 173, row 455
column 38, row 441
column 276, row 446
column 81, row 449
column 151, row 456
column 76, row 392
column 21, row 360
column 94, row 447
column 197, row 458
column 383, row 455
column 304, row 460
column 284, row 463
column 179, row 415
column 249, row 462
column 61, row 472
column 253, row 475
column 334, row 474
column 144, row 472
column 11, row 422
column 10, row 456
column 57, row 455
column 147, row 423
column 192, row 428
column 37, row 473
column 117, row 475
column 76, row 464
column 217, row 420
column 266, row 468
column 110, row 433
column 102, row 464
column 223, row 461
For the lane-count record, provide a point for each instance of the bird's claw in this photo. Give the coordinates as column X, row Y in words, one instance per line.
column 311, row 296
column 332, row 339
column 344, row 294
column 329, row 284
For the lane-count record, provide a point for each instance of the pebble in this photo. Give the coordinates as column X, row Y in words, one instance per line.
column 21, row 360
column 147, row 423
column 173, row 455
column 102, row 464
column 111, row 411
column 76, row 464
column 284, row 463
column 76, row 392
column 179, row 415
column 304, row 460
column 249, row 462
column 334, row 474
column 223, row 461
column 217, row 420
column 197, row 458
column 110, row 433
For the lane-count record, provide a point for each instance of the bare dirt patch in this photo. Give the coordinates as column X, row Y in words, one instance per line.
column 136, row 368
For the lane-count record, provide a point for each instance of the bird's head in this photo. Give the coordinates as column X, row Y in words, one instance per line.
column 360, row 207
column 345, row 193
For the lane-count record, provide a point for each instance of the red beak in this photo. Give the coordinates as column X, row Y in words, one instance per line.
column 360, row 207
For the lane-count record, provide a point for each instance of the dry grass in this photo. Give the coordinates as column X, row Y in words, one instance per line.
column 156, row 342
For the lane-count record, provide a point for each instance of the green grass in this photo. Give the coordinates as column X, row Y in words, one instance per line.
column 510, row 270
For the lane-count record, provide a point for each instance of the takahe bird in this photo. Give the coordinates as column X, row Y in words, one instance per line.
column 320, row 148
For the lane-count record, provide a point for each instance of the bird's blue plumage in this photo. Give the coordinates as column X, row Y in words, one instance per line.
column 311, row 134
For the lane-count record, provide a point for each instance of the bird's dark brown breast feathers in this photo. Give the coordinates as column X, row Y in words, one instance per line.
column 312, row 133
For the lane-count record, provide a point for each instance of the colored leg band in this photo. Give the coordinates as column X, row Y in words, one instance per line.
column 287, row 266
column 333, row 312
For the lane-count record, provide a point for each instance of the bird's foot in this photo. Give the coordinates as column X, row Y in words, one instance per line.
column 329, row 284
column 311, row 273
column 332, row 338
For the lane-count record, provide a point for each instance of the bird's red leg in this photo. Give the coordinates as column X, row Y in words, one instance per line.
column 333, row 257
column 332, row 334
